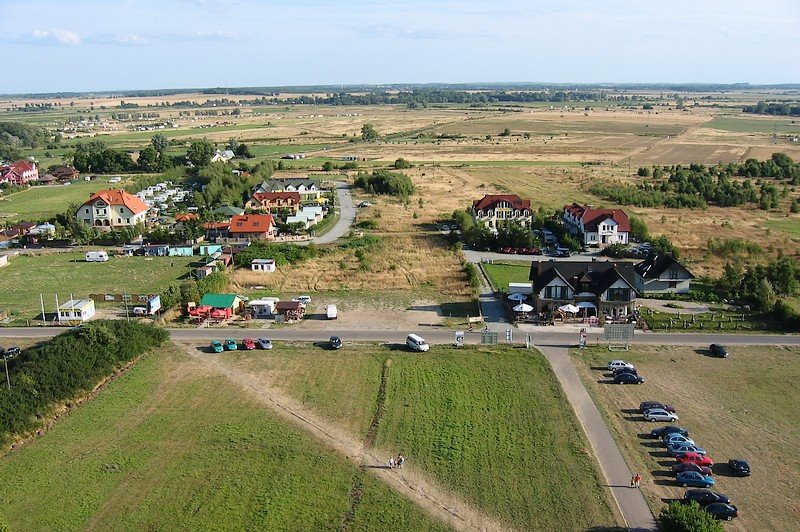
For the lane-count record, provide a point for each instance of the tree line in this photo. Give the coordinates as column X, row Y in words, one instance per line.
column 780, row 109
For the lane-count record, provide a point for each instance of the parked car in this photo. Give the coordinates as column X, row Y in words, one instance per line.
column 677, row 438
column 691, row 466
column 264, row 343
column 628, row 378
column 613, row 364
column 675, row 449
column 720, row 510
column 646, row 405
column 739, row 467
column 697, row 458
column 336, row 342
column 659, row 414
column 718, row 350
column 703, row 497
column 305, row 300
column 216, row 346
column 12, row 351
column 230, row 344
column 248, row 344
column 695, row 479
column 660, row 432
column 617, row 371
column 365, row 204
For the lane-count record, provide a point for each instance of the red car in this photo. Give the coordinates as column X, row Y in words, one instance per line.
column 248, row 344
column 697, row 458
column 691, row 466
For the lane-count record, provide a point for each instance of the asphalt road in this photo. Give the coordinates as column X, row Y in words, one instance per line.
column 347, row 213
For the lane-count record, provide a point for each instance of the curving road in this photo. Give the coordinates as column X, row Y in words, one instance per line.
column 347, row 214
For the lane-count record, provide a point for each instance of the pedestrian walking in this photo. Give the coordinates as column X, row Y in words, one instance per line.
column 400, row 460
column 637, row 479
column 633, row 481
column 391, row 463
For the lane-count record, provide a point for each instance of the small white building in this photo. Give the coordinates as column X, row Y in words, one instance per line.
column 76, row 310
column 263, row 307
column 263, row 265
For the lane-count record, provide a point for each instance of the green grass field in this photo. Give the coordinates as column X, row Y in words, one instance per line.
column 168, row 447
column 44, row 202
column 789, row 226
column 26, row 277
column 491, row 424
column 500, row 274
column 757, row 124
column 744, row 406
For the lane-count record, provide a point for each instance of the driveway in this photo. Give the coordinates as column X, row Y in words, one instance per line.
column 479, row 256
column 347, row 213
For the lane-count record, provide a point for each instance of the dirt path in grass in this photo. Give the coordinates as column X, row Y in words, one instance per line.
column 439, row 502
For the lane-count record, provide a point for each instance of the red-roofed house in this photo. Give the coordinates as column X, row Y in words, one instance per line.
column 252, row 226
column 599, row 227
column 274, row 201
column 494, row 209
column 112, row 209
column 19, row 173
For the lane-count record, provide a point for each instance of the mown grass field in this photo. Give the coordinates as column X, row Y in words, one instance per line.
column 167, row 446
column 491, row 424
column 501, row 274
column 744, row 406
column 44, row 202
column 27, row 276
column 757, row 124
column 789, row 226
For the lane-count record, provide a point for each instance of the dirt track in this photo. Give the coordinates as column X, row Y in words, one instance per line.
column 437, row 501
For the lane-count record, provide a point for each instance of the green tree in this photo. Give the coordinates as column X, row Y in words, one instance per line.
column 765, row 295
column 794, row 208
column 679, row 517
column 327, row 166
column 159, row 142
column 200, row 153
column 639, row 229
column 506, row 133
column 368, row 133
column 243, row 150
column 643, row 172
column 401, row 164
column 148, row 160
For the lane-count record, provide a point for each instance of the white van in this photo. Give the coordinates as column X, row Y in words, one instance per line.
column 331, row 312
column 96, row 256
column 417, row 343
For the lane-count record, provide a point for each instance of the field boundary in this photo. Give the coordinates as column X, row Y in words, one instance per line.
column 380, row 403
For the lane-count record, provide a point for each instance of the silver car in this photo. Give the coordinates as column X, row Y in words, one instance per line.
column 659, row 414
column 680, row 448
column 615, row 364
column 674, row 439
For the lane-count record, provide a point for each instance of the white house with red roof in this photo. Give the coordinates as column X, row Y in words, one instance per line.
column 19, row 172
column 112, row 209
column 494, row 209
column 599, row 227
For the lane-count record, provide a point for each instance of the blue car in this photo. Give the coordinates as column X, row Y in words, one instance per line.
column 672, row 439
column 695, row 479
column 674, row 449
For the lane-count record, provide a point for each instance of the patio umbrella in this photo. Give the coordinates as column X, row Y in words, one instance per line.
column 522, row 307
column 586, row 304
column 572, row 309
column 517, row 296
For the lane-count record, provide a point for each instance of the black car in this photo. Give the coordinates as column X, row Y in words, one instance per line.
column 721, row 510
column 718, row 351
column 703, row 497
column 660, row 432
column 11, row 352
column 739, row 467
column 617, row 371
column 628, row 378
column 336, row 342
column 647, row 405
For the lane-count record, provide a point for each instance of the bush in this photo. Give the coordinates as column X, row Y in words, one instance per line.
column 367, row 224
column 472, row 275
column 67, row 366
column 282, row 254
column 401, row 163
column 385, row 182
column 679, row 517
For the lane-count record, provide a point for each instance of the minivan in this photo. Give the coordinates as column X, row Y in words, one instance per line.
column 416, row 343
column 96, row 256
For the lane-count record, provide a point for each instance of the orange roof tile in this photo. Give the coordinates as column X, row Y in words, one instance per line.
column 119, row 197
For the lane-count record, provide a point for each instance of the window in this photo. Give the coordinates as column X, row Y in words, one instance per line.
column 128, row 220
column 556, row 292
column 673, row 273
column 119, row 220
column 87, row 210
column 618, row 294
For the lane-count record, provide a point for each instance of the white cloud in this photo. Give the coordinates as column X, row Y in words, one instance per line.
column 118, row 39
column 203, row 36
column 56, row 37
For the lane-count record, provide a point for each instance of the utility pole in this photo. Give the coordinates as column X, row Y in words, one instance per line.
column 8, row 379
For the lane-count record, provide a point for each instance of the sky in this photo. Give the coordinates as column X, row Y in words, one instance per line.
column 107, row 45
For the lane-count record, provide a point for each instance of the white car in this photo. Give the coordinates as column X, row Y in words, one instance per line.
column 616, row 364
column 305, row 300
column 659, row 414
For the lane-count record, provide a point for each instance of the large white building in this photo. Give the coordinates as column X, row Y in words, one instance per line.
column 112, row 209
column 599, row 227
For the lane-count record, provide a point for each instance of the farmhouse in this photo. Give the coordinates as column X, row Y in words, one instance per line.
column 602, row 287
column 19, row 172
column 662, row 274
column 263, row 265
column 76, row 310
column 65, row 173
column 493, row 210
column 222, row 156
column 274, row 201
column 252, row 226
column 599, row 227
column 112, row 209
column 309, row 189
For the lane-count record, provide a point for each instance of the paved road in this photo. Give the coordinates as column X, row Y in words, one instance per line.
column 347, row 213
column 492, row 310
column 478, row 256
column 634, row 509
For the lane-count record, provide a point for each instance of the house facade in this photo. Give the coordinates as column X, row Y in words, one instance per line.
column 601, row 287
column 222, row 156
column 65, row 173
column 252, row 227
column 19, row 172
column 662, row 274
column 274, row 202
column 598, row 227
column 493, row 210
column 309, row 189
column 112, row 209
